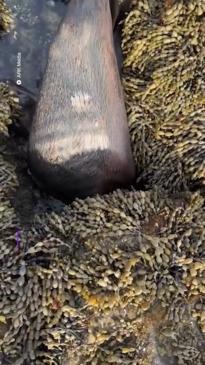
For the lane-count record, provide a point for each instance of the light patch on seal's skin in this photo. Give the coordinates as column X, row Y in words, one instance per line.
column 81, row 102
column 64, row 148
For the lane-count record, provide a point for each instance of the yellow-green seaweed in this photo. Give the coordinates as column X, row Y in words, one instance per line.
column 164, row 83
column 6, row 19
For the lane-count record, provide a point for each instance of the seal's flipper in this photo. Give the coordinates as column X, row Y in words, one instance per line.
column 115, row 8
column 118, row 9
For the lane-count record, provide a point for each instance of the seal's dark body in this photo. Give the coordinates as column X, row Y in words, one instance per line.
column 79, row 141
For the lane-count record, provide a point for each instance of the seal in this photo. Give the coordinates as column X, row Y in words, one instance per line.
column 79, row 141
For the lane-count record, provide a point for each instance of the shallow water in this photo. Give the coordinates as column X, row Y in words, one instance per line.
column 24, row 50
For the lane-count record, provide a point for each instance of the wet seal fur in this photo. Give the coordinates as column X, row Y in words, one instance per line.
column 79, row 142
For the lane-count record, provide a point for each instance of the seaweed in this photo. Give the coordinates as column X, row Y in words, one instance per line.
column 119, row 278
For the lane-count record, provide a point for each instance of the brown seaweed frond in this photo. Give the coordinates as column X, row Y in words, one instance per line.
column 6, row 18
column 164, row 82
